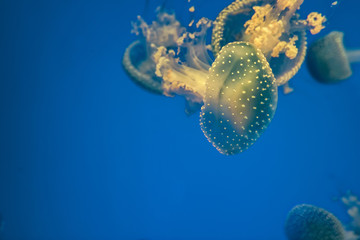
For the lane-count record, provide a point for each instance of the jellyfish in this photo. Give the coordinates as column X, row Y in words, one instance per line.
column 272, row 26
column 236, row 92
column 329, row 61
column 308, row 222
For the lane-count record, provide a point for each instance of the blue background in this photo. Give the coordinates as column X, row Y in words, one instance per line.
column 87, row 154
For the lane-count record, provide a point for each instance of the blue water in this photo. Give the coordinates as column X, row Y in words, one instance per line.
column 86, row 154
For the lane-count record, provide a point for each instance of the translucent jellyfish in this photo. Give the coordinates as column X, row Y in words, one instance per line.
column 328, row 61
column 307, row 222
column 273, row 27
column 236, row 92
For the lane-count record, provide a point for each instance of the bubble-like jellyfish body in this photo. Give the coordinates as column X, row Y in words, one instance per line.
column 307, row 222
column 329, row 61
column 273, row 27
column 238, row 103
column 240, row 99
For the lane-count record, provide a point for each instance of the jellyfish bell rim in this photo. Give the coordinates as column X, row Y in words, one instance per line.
column 327, row 60
column 137, row 49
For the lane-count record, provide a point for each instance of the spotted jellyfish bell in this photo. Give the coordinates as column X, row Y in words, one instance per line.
column 240, row 99
column 273, row 27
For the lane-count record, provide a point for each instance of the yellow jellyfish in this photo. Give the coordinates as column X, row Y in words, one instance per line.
column 272, row 26
column 236, row 92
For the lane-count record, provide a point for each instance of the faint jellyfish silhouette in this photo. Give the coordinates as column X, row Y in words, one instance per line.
column 273, row 27
column 328, row 61
column 307, row 222
column 238, row 95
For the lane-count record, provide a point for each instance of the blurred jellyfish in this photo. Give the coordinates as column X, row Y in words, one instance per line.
column 272, row 26
column 307, row 222
column 236, row 92
column 328, row 61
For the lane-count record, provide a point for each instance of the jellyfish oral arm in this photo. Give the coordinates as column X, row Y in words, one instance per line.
column 187, row 82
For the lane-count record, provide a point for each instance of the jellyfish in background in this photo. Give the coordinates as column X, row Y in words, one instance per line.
column 273, row 27
column 308, row 222
column 236, row 92
column 329, row 61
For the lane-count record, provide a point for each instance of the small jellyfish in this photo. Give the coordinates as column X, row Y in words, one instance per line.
column 273, row 27
column 307, row 222
column 328, row 61
column 240, row 98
